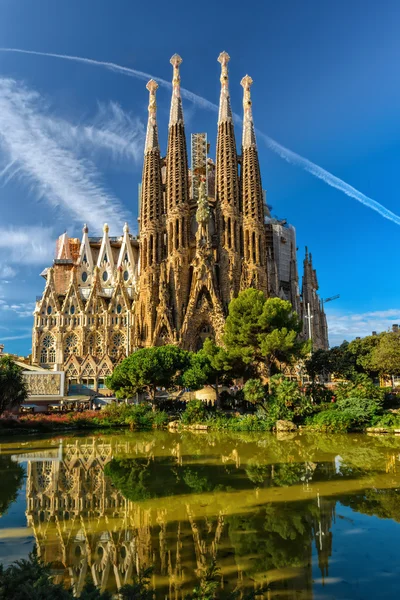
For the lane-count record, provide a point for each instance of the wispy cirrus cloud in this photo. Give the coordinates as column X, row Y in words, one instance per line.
column 21, row 309
column 112, row 131
column 348, row 326
column 30, row 245
column 11, row 338
column 44, row 152
column 285, row 153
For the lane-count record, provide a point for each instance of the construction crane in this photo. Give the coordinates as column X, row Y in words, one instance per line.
column 331, row 298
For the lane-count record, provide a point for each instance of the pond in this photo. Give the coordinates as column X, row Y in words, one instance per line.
column 299, row 516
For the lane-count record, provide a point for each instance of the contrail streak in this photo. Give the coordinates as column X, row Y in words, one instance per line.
column 288, row 155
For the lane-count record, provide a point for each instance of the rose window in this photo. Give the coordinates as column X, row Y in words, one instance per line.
column 95, row 344
column 118, row 344
column 70, row 345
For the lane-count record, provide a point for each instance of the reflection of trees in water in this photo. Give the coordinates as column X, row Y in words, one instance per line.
column 157, row 502
column 11, row 477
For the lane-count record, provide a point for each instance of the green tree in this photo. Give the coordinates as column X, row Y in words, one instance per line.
column 385, row 356
column 338, row 361
column 263, row 331
column 13, row 388
column 148, row 369
column 254, row 392
column 12, row 476
column 212, row 366
column 362, row 351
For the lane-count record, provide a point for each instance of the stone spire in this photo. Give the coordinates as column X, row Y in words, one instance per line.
column 225, row 111
column 227, row 192
column 177, row 202
column 176, row 112
column 152, row 227
column 152, row 131
column 253, row 204
column 151, row 201
column 254, row 272
column 177, row 182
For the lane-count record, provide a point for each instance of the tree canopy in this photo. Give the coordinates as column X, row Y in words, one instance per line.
column 213, row 366
column 13, row 388
column 263, row 331
column 385, row 355
column 148, row 369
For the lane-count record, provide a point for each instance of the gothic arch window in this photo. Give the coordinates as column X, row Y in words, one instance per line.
column 70, row 345
column 117, row 344
column 204, row 298
column 48, row 350
column 95, row 344
column 163, row 337
column 205, row 331
column 44, row 475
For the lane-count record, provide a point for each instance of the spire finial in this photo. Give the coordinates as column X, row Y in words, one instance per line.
column 85, row 229
column 249, row 137
column 246, row 83
column 106, row 228
column 152, row 134
column 176, row 61
column 225, row 113
column 126, row 228
column 176, row 113
column 223, row 59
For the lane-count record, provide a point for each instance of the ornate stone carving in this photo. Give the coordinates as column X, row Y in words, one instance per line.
column 43, row 384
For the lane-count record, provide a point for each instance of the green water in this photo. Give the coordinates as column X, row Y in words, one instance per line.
column 299, row 516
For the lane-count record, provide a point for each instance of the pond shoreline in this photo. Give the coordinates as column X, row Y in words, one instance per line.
column 176, row 427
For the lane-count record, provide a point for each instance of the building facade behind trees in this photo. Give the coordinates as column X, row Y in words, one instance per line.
column 205, row 234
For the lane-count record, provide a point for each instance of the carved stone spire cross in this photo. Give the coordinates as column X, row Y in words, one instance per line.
column 223, row 59
column 152, row 133
column 246, row 83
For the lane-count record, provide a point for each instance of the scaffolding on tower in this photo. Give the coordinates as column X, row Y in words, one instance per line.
column 199, row 162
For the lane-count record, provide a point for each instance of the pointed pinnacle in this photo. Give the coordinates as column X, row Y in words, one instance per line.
column 175, row 61
column 223, row 58
column 152, row 86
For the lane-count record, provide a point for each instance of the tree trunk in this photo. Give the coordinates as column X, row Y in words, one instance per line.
column 217, row 397
column 268, row 369
column 153, row 398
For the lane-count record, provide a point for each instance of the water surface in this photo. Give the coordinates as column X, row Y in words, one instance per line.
column 298, row 516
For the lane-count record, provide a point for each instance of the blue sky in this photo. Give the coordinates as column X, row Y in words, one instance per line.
column 326, row 86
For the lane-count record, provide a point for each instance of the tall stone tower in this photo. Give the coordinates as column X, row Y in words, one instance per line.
column 151, row 228
column 177, row 205
column 254, row 272
column 227, row 194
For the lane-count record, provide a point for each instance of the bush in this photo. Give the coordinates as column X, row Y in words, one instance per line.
column 361, row 387
column 287, row 401
column 387, row 420
column 331, row 421
column 160, row 419
column 195, row 412
column 361, row 410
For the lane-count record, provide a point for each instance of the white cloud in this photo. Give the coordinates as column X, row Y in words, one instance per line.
column 51, row 168
column 22, row 310
column 112, row 131
column 288, row 155
column 11, row 338
column 7, row 271
column 31, row 245
column 349, row 326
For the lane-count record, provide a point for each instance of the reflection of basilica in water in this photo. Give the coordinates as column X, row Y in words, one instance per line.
column 87, row 523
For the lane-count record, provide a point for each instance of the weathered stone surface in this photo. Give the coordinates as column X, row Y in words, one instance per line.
column 285, row 426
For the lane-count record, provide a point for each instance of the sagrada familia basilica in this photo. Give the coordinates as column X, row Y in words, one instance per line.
column 205, row 234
